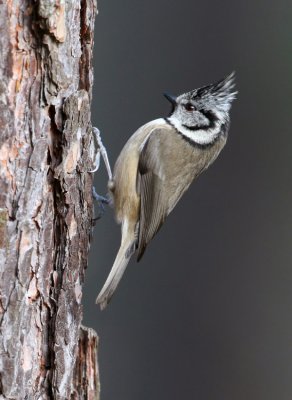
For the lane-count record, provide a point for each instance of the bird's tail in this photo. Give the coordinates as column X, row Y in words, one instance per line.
column 123, row 257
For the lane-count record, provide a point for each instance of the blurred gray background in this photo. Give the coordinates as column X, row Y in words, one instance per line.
column 207, row 313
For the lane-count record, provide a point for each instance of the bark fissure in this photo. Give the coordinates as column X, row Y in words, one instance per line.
column 45, row 198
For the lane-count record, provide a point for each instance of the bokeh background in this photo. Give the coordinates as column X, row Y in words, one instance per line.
column 207, row 313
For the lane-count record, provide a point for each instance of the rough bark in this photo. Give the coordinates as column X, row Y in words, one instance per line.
column 45, row 198
column 86, row 375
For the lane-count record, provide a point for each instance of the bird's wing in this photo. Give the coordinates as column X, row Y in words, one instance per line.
column 150, row 186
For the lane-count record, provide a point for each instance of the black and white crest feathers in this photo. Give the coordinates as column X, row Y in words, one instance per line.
column 218, row 95
column 200, row 114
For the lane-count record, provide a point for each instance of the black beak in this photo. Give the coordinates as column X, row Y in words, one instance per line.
column 170, row 98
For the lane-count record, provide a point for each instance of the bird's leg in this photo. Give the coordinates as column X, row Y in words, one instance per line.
column 101, row 150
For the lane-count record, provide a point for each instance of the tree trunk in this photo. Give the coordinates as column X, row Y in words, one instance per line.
column 46, row 151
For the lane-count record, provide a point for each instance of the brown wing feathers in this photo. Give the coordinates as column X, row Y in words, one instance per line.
column 151, row 185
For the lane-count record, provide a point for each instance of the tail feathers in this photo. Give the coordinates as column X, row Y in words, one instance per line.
column 122, row 259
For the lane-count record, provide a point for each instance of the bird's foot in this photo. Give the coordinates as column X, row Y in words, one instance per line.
column 101, row 200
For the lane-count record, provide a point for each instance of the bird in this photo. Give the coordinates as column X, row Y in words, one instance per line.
column 159, row 162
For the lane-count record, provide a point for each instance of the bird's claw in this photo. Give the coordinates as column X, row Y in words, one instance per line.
column 101, row 200
column 96, row 163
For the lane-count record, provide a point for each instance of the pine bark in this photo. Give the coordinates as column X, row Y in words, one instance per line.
column 46, row 151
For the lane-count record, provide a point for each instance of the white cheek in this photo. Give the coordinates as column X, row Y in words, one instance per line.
column 201, row 136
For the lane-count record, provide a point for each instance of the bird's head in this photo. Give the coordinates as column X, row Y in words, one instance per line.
column 203, row 108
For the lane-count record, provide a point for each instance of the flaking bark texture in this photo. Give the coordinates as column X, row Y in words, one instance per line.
column 46, row 151
column 86, row 375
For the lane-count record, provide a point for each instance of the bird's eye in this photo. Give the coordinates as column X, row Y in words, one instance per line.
column 189, row 107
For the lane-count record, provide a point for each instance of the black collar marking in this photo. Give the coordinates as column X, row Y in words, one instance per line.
column 196, row 144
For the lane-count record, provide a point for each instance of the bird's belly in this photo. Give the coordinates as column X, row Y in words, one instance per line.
column 185, row 169
column 126, row 200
